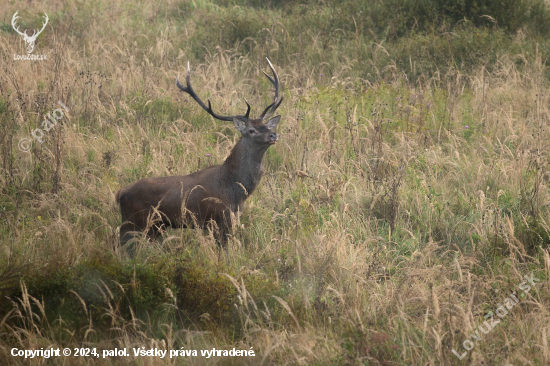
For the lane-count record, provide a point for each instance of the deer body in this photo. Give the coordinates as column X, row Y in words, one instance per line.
column 208, row 196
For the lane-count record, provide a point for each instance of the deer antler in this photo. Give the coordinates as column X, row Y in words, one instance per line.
column 276, row 101
column 13, row 20
column 35, row 35
column 189, row 90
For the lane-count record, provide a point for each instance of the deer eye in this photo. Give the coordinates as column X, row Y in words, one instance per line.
column 252, row 131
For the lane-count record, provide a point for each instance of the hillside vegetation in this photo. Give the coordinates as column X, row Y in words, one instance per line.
column 406, row 201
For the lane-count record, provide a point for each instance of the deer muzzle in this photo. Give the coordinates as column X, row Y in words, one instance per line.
column 273, row 138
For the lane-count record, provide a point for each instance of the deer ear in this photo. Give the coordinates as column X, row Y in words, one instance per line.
column 239, row 124
column 272, row 123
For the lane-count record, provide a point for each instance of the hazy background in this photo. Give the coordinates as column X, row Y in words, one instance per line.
column 406, row 199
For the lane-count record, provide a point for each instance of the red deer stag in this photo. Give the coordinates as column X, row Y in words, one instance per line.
column 210, row 195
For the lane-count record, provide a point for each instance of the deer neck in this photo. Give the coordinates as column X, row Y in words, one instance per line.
column 244, row 165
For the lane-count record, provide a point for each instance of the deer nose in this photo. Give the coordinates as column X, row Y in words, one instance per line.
column 273, row 136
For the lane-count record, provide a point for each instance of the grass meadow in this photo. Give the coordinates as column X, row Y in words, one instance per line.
column 407, row 198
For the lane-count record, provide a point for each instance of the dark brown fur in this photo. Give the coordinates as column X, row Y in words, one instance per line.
column 208, row 195
column 211, row 195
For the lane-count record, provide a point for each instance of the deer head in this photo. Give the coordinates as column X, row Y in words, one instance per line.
column 29, row 40
column 257, row 133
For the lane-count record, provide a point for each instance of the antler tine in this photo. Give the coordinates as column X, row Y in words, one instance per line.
column 13, row 20
column 274, row 81
column 44, row 24
column 276, row 101
column 247, row 108
column 273, row 107
column 189, row 90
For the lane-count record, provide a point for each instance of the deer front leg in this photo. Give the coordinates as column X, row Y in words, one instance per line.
column 221, row 238
column 221, row 233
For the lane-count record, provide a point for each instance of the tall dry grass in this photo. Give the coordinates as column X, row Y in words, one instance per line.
column 393, row 216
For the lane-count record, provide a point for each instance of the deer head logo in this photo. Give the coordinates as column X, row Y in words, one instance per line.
column 29, row 40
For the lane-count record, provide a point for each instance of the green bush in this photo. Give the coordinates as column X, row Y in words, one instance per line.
column 102, row 283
